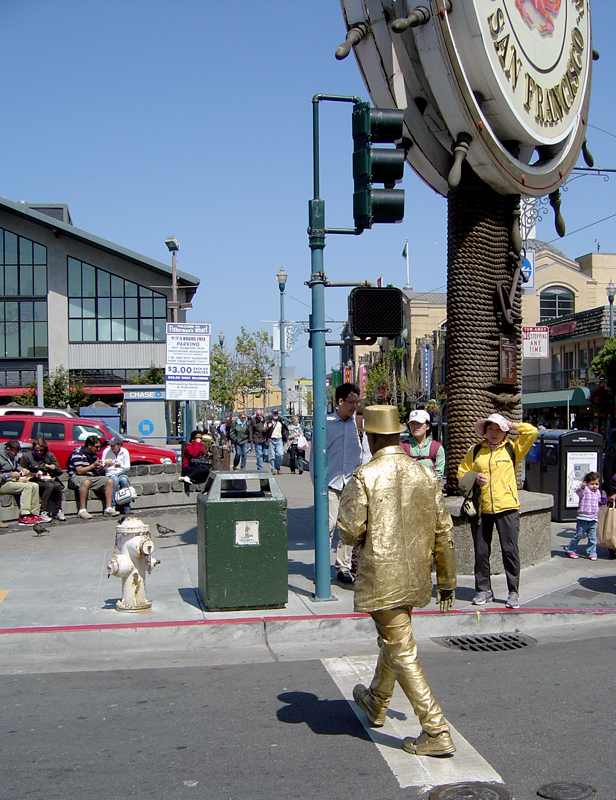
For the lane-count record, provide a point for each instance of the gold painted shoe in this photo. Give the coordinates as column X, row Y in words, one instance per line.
column 376, row 714
column 426, row 745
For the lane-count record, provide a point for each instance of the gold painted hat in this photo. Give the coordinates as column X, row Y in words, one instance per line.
column 381, row 419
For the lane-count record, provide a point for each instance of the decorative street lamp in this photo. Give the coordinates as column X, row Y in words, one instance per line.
column 281, row 277
column 173, row 246
column 221, row 342
column 610, row 291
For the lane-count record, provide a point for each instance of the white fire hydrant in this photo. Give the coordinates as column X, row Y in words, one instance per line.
column 135, row 557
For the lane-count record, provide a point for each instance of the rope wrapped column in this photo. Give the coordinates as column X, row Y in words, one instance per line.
column 479, row 255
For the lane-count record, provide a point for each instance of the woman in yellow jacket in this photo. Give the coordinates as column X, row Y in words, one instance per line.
column 495, row 462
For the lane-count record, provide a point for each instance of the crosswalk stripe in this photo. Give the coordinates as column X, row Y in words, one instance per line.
column 419, row 771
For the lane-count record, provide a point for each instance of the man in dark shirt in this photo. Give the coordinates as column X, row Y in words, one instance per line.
column 86, row 471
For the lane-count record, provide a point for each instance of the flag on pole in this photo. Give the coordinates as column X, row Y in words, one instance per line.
column 405, row 251
column 379, row 282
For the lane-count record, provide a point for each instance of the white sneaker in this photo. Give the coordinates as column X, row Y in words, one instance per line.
column 44, row 516
column 60, row 515
column 111, row 512
column 185, row 478
column 84, row 514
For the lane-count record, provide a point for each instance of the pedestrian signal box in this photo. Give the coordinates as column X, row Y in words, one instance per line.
column 375, row 311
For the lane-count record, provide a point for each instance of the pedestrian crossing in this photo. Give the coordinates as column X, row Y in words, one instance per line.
column 418, row 771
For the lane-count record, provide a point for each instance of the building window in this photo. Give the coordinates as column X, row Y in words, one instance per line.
column 23, row 266
column 556, row 302
column 106, row 308
column 23, row 278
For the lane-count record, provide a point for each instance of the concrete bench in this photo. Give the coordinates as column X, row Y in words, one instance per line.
column 157, row 486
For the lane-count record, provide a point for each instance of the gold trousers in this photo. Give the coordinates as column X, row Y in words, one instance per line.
column 398, row 662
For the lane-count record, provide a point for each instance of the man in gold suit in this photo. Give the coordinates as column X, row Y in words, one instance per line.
column 393, row 507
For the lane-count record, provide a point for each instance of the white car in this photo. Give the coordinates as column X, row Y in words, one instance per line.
column 36, row 411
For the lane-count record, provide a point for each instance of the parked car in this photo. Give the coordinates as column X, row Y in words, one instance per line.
column 37, row 411
column 64, row 434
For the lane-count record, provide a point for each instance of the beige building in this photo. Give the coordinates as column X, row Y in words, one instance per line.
column 562, row 286
column 565, row 287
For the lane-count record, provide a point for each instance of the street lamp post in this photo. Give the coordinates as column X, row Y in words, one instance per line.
column 281, row 277
column 221, row 342
column 610, row 290
column 173, row 245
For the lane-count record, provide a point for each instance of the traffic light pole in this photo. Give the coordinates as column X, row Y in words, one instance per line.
column 316, row 240
column 370, row 205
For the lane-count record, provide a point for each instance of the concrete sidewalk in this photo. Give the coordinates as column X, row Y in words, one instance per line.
column 57, row 603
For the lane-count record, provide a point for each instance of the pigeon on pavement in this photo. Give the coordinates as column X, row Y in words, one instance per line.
column 162, row 530
column 39, row 529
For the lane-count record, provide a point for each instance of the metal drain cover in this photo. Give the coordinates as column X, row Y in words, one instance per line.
column 470, row 791
column 565, row 791
column 587, row 594
column 490, row 642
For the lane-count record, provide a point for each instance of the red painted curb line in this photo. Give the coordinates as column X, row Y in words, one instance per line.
column 108, row 626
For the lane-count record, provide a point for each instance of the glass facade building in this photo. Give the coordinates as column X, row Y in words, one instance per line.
column 72, row 299
column 107, row 308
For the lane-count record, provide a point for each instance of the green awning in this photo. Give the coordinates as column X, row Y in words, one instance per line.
column 574, row 397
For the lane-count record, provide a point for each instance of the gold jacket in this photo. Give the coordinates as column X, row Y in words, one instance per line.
column 393, row 506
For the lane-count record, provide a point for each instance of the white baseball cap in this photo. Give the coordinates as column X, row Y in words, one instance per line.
column 498, row 419
column 419, row 415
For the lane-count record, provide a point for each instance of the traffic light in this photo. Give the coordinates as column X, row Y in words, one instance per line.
column 377, row 165
column 375, row 312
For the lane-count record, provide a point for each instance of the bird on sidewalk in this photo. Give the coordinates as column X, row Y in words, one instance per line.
column 162, row 530
column 39, row 529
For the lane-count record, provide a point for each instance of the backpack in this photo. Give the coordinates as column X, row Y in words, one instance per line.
column 508, row 448
column 434, row 448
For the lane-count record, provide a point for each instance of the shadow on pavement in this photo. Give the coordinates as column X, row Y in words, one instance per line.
column 323, row 717
column 189, row 536
column 605, row 584
column 190, row 595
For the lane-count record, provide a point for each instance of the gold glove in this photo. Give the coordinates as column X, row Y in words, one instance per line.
column 445, row 598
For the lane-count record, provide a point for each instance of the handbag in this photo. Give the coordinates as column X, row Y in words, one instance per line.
column 125, row 495
column 606, row 527
column 302, row 442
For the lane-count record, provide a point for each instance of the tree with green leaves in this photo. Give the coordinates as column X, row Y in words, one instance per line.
column 237, row 373
column 59, row 391
column 155, row 375
column 386, row 383
column 604, row 364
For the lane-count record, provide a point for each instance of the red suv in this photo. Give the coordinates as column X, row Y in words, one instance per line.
column 64, row 434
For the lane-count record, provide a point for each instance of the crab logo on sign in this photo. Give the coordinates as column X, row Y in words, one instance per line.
column 544, row 8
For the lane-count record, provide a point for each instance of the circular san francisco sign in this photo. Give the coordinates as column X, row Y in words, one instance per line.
column 512, row 77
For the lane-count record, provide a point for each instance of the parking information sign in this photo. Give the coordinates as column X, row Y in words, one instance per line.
column 536, row 342
column 187, row 369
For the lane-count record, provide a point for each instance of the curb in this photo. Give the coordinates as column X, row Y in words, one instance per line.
column 113, row 646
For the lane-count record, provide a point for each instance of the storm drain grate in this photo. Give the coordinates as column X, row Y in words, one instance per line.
column 487, row 643
column 587, row 594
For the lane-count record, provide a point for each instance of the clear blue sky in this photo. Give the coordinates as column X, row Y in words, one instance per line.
column 192, row 118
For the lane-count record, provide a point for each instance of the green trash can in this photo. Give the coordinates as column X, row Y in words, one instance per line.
column 242, row 542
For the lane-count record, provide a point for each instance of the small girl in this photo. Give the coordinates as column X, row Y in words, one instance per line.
column 588, row 513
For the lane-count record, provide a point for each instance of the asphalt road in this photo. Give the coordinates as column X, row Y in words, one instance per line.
column 283, row 730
